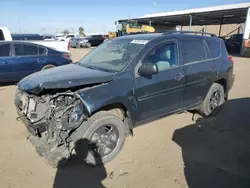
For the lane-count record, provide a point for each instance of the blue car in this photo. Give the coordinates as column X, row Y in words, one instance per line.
column 19, row 59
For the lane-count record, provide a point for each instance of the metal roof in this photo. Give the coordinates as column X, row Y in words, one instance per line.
column 198, row 10
column 225, row 14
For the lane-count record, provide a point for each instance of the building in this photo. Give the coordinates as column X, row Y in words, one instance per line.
column 222, row 20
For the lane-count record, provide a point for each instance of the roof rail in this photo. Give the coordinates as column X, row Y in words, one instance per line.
column 189, row 32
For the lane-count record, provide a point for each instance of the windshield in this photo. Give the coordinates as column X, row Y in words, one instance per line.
column 132, row 24
column 113, row 55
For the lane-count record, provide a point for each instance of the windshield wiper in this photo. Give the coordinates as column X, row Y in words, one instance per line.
column 88, row 66
column 97, row 68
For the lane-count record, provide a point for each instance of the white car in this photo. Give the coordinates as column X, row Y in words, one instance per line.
column 62, row 46
column 79, row 42
column 66, row 37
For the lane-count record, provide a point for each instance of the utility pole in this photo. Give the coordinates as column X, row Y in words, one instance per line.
column 19, row 25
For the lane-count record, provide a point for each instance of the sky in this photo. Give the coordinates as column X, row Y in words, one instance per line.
column 51, row 16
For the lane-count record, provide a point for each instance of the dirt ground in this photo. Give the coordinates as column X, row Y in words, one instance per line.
column 173, row 152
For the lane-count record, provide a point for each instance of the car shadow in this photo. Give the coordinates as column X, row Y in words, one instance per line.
column 75, row 173
column 216, row 149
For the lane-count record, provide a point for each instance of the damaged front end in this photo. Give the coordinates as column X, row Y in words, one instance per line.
column 51, row 119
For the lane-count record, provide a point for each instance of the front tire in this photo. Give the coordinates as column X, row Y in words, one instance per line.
column 215, row 97
column 105, row 135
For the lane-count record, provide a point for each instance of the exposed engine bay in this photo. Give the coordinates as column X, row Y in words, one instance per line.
column 51, row 121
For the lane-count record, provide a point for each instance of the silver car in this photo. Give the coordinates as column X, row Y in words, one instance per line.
column 79, row 42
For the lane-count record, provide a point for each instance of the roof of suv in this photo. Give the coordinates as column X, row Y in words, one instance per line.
column 151, row 36
column 142, row 36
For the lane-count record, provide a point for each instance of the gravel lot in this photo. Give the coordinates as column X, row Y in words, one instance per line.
column 173, row 152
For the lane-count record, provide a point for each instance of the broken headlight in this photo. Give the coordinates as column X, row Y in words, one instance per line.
column 70, row 111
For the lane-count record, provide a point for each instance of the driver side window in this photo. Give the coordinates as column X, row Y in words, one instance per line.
column 164, row 56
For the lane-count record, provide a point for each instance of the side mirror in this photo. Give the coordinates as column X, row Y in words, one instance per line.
column 148, row 69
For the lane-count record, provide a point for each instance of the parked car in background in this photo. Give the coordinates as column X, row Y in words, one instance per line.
column 48, row 37
column 19, row 59
column 66, row 37
column 62, row 46
column 233, row 44
column 95, row 40
column 79, row 42
column 26, row 37
column 121, row 84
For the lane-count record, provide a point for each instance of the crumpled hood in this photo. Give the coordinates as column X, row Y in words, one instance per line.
column 63, row 77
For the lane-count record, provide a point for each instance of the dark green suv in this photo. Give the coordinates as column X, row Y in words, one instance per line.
column 123, row 83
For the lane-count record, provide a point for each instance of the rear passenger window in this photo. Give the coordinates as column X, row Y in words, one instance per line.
column 214, row 47
column 4, row 50
column 192, row 50
column 42, row 51
column 164, row 56
column 30, row 50
column 25, row 49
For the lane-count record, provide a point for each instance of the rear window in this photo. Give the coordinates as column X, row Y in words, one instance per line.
column 4, row 50
column 214, row 48
column 192, row 50
column 78, row 39
column 238, row 36
column 70, row 36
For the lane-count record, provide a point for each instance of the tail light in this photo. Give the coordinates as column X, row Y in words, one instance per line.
column 246, row 43
column 68, row 46
column 66, row 56
column 230, row 58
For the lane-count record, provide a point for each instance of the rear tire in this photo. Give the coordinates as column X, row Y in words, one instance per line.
column 48, row 67
column 95, row 123
column 215, row 97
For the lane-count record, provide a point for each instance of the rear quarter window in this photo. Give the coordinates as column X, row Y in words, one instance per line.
column 214, row 47
column 192, row 50
column 42, row 51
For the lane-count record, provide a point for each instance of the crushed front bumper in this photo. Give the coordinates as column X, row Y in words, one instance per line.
column 33, row 129
column 53, row 154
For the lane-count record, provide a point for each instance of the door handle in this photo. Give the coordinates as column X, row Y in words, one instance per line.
column 179, row 76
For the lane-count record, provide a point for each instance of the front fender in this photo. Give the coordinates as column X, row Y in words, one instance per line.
column 119, row 91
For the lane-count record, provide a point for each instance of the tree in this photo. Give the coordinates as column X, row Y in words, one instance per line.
column 66, row 31
column 81, row 31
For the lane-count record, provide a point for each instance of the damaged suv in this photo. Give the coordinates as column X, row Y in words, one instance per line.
column 124, row 82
